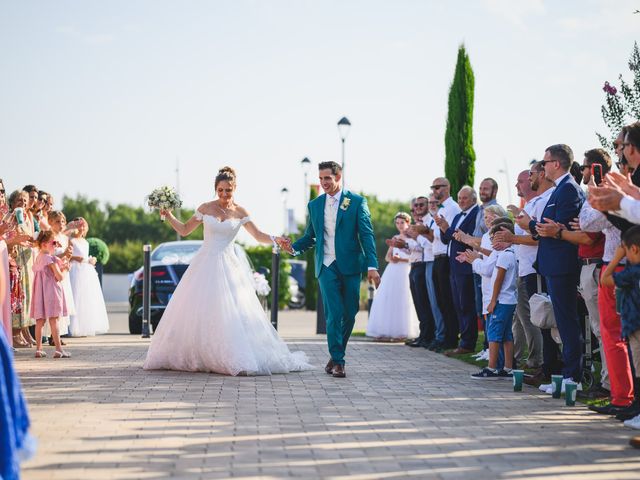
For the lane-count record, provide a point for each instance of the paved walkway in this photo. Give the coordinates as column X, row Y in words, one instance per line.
column 400, row 412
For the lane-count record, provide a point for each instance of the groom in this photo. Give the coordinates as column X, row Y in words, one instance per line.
column 340, row 229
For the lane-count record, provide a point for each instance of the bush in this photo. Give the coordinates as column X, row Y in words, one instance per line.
column 99, row 250
column 261, row 257
column 125, row 257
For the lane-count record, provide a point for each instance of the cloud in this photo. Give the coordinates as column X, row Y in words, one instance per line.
column 515, row 12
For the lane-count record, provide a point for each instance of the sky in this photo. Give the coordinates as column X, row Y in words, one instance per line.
column 105, row 98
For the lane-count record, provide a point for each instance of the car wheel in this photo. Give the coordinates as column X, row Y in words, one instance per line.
column 135, row 324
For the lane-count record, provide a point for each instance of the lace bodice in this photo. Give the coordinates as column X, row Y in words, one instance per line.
column 219, row 235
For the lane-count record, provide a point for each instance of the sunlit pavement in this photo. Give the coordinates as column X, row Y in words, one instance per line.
column 400, row 412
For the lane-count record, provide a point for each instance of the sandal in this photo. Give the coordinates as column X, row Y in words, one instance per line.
column 61, row 354
column 40, row 354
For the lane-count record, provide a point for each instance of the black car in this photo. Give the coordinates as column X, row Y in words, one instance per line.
column 169, row 261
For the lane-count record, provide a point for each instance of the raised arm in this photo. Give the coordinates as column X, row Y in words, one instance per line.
column 186, row 228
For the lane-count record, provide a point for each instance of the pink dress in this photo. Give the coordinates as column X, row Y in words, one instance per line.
column 47, row 298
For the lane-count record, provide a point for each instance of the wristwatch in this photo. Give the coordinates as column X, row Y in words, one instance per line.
column 559, row 234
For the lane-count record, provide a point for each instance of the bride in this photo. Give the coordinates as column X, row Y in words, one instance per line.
column 214, row 321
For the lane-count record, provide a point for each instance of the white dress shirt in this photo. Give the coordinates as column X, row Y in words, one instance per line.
column 526, row 254
column 331, row 206
column 629, row 209
column 449, row 210
column 592, row 220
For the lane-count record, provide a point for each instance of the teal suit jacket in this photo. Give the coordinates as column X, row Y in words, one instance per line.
column 354, row 241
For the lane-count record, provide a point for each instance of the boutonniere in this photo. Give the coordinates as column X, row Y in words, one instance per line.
column 345, row 203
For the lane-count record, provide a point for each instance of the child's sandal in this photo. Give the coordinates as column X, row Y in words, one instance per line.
column 61, row 354
column 40, row 354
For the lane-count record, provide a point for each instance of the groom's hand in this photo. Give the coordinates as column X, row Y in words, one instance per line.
column 285, row 244
column 374, row 277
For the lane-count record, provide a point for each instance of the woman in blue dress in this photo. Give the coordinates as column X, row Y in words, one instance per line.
column 16, row 444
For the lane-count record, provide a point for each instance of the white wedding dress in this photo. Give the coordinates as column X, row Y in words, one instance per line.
column 214, row 321
column 393, row 314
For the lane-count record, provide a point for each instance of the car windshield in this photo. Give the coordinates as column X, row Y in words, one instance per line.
column 175, row 253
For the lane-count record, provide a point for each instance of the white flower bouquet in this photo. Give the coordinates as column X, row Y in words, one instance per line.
column 261, row 284
column 164, row 198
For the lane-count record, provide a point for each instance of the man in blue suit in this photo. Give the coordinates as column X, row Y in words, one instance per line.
column 558, row 259
column 462, row 285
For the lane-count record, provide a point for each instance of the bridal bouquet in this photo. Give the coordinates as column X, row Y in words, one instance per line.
column 164, row 198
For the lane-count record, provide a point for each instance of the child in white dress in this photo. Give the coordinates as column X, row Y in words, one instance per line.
column 91, row 313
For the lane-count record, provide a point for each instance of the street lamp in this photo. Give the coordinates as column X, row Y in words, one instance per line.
column 284, row 193
column 343, row 129
column 306, row 166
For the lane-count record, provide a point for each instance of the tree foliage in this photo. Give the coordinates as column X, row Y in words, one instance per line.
column 621, row 106
column 460, row 156
column 311, row 285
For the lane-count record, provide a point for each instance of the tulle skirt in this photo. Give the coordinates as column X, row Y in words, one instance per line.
column 215, row 323
column 90, row 311
column 393, row 314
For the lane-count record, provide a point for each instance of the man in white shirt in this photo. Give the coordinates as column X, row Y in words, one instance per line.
column 441, row 189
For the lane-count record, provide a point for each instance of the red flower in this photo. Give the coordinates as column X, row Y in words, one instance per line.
column 610, row 89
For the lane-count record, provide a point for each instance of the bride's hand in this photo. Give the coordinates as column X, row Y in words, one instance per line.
column 165, row 212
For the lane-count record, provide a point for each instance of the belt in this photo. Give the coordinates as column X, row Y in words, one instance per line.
column 591, row 261
column 442, row 255
column 417, row 264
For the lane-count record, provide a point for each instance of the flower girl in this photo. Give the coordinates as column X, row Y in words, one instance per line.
column 91, row 313
column 393, row 315
column 47, row 298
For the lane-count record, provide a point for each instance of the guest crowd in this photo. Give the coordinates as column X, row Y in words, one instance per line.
column 534, row 275
column 49, row 289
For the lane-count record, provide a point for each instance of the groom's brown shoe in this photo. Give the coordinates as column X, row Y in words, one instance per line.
column 338, row 371
column 329, row 367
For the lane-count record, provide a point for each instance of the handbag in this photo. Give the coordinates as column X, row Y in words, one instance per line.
column 541, row 309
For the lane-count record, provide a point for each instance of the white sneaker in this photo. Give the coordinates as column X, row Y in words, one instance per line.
column 485, row 355
column 478, row 355
column 549, row 387
column 545, row 386
column 633, row 423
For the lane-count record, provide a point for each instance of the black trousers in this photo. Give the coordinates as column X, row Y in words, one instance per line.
column 442, row 281
column 418, row 284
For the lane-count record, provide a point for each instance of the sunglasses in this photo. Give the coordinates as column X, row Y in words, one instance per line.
column 584, row 167
column 419, row 204
column 436, row 187
column 2, row 191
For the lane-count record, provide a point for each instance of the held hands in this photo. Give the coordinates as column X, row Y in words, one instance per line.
column 373, row 277
column 285, row 244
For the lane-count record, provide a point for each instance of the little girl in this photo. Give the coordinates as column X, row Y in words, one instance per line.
column 48, row 299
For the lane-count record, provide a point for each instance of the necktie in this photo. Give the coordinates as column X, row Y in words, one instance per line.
column 332, row 207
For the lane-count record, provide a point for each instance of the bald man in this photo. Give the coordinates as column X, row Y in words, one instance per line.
column 441, row 189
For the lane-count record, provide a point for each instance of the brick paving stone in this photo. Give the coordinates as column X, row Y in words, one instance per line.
column 400, row 413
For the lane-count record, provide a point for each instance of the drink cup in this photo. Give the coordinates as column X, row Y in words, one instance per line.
column 518, row 377
column 556, row 385
column 19, row 215
column 570, row 389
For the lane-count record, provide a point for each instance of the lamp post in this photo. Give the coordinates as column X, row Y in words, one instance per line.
column 343, row 129
column 285, row 195
column 306, row 166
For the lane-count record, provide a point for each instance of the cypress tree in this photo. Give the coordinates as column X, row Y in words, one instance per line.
column 460, row 157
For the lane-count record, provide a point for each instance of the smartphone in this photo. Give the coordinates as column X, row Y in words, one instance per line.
column 596, row 171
